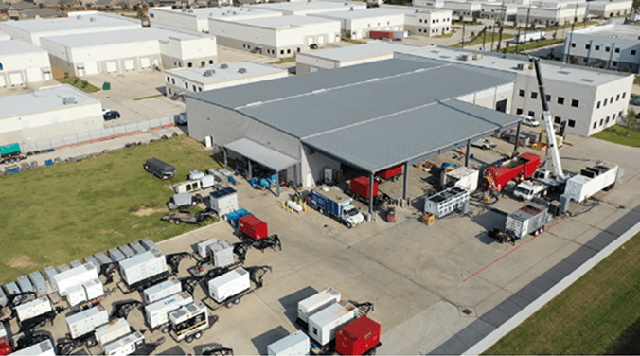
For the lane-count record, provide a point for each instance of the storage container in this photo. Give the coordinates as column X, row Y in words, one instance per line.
column 324, row 324
column 75, row 295
column 229, row 284
column 253, row 227
column 39, row 283
column 317, row 302
column 202, row 247
column 102, row 258
column 127, row 251
column 157, row 314
column 116, row 255
column 125, row 345
column 296, row 344
column 74, row 277
column 111, row 331
column 223, row 201
column 84, row 322
column 390, row 172
column 140, row 267
column 75, row 263
column 360, row 186
column 149, row 244
column 25, row 284
column 93, row 289
column 222, row 253
column 44, row 348
column 358, row 337
column 162, row 290
column 33, row 308
column 137, row 247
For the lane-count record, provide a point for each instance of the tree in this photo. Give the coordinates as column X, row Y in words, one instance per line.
column 631, row 120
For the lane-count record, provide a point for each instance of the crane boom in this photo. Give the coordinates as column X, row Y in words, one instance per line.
column 548, row 124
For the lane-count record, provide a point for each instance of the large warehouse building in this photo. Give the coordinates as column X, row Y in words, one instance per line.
column 22, row 63
column 588, row 99
column 612, row 46
column 309, row 7
column 298, row 126
column 51, row 112
column 126, row 50
column 77, row 23
column 198, row 19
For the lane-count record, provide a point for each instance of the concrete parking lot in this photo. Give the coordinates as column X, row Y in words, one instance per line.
column 436, row 288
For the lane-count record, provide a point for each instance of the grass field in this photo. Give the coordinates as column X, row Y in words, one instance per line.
column 56, row 214
column 530, row 45
column 83, row 85
column 598, row 314
column 490, row 35
column 618, row 134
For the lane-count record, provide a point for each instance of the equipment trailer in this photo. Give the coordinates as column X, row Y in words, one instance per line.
column 189, row 322
column 227, row 289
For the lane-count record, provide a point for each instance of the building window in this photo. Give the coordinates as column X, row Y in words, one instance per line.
column 289, row 50
column 186, row 85
column 573, row 45
column 173, row 81
column 168, row 79
column 189, row 65
column 202, row 64
column 194, row 88
column 534, row 95
column 211, row 61
column 606, row 122
column 282, row 51
column 419, row 30
column 420, row 20
column 574, row 103
column 560, row 100
column 557, row 119
column 633, row 52
column 531, row 113
column 571, row 123
column 617, row 97
column 594, row 124
column 548, row 97
column 587, row 46
column 248, row 46
column 624, row 94
column 169, row 91
column 614, row 64
column 601, row 122
column 244, row 45
column 598, row 105
column 607, row 49
column 199, row 88
column 597, row 48
column 519, row 111
column 617, row 50
column 605, row 102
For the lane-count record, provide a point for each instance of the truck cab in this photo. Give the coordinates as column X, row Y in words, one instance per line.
column 352, row 216
column 528, row 190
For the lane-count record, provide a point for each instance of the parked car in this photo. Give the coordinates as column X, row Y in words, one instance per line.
column 530, row 121
column 181, row 119
column 484, row 144
column 110, row 115
column 635, row 101
column 313, row 46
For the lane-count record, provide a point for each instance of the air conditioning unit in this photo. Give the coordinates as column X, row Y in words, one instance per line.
column 224, row 66
column 242, row 70
column 209, row 72
column 69, row 100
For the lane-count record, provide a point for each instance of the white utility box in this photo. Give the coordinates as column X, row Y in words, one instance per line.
column 113, row 330
column 162, row 290
column 229, row 284
column 33, row 308
column 157, row 314
column 317, row 302
column 143, row 266
column 296, row 344
column 84, row 322
column 324, row 324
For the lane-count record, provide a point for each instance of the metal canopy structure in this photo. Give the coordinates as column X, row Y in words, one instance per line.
column 259, row 153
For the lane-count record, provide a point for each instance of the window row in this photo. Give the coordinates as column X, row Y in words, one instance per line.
column 605, row 48
column 448, row 19
column 557, row 119
column 604, row 121
column 610, row 100
column 379, row 24
column 433, row 30
column 560, row 100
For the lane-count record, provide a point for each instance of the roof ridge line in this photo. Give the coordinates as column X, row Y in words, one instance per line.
column 322, row 90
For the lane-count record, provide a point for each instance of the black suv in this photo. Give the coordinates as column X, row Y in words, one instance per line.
column 110, row 115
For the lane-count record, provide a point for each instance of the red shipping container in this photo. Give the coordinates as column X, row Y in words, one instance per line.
column 390, row 172
column 360, row 186
column 381, row 34
column 358, row 337
column 253, row 227
column 521, row 167
column 5, row 349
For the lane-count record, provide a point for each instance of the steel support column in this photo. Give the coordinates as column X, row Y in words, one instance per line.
column 371, row 195
column 295, row 177
column 515, row 145
column 466, row 157
column 406, row 180
column 224, row 157
column 250, row 173
column 277, row 185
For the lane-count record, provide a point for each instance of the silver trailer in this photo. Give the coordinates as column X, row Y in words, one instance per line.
column 75, row 263
column 324, row 324
column 87, row 321
column 102, row 258
column 39, row 283
column 137, row 247
column 112, row 331
column 125, row 345
column 141, row 267
column 317, row 302
column 49, row 272
column 222, row 253
column 127, row 251
column 157, row 314
column 296, row 344
column 12, row 288
column 447, row 201
column 529, row 219
column 229, row 284
column 93, row 261
column 116, row 255
column 33, row 308
column 45, row 348
column 149, row 244
column 162, row 290
column 25, row 284
column 63, row 268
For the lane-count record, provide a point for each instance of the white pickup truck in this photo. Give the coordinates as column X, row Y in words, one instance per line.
column 527, row 190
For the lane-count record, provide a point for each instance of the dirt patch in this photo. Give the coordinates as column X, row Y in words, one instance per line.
column 148, row 211
column 21, row 261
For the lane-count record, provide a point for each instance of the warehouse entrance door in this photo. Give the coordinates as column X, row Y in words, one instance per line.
column 15, row 79
column 111, row 67
column 501, row 105
column 34, row 74
column 128, row 64
column 91, row 67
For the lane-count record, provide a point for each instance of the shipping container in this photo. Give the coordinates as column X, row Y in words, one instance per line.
column 25, row 284
column 45, row 348
column 324, row 324
column 116, row 255
column 296, row 344
column 137, row 247
column 75, row 295
column 222, row 253
column 253, row 227
column 229, row 284
column 202, row 247
column 223, row 201
column 93, row 289
column 111, row 331
column 157, row 314
column 33, row 308
column 358, row 337
column 125, row 345
column 317, row 302
column 75, row 263
column 127, row 251
column 102, row 258
column 74, row 277
column 87, row 321
column 149, row 244
column 39, row 283
column 162, row 290
column 143, row 266
column 360, row 186
column 390, row 172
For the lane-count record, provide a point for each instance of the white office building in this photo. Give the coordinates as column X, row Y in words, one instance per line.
column 50, row 112
column 198, row 19
column 194, row 80
column 358, row 23
column 609, row 46
column 550, row 16
column 310, row 6
column 280, row 37
column 22, row 63
column 429, row 22
column 588, row 99
column 130, row 50
column 610, row 8
column 78, row 22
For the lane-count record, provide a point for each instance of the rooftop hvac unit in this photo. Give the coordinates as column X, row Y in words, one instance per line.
column 523, row 66
column 69, row 100
column 184, row 10
column 78, row 17
column 465, row 58
column 209, row 72
column 224, row 66
column 242, row 70
column 93, row 19
column 476, row 57
column 189, row 10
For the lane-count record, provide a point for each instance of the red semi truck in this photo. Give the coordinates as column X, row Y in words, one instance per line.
column 519, row 168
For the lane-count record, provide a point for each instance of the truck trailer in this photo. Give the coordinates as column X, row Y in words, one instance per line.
column 589, row 181
column 332, row 202
column 315, row 303
column 157, row 314
column 142, row 271
column 529, row 37
column 529, row 219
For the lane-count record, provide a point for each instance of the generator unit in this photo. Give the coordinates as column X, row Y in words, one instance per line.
column 222, row 253
column 112, row 331
column 33, row 308
column 202, row 247
column 317, row 302
column 188, row 322
column 87, row 321
column 157, row 314
column 44, row 348
column 74, row 277
column 447, row 201
column 143, row 269
column 125, row 345
column 296, row 344
column 229, row 284
column 324, row 324
column 162, row 290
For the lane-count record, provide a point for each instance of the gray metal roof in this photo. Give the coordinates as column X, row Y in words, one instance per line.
column 47, row 98
column 20, row 47
column 259, row 153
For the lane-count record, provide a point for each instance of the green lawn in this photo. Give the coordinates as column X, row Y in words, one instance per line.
column 530, row 45
column 83, row 85
column 618, row 134
column 284, row 60
column 490, row 36
column 598, row 314
column 53, row 215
